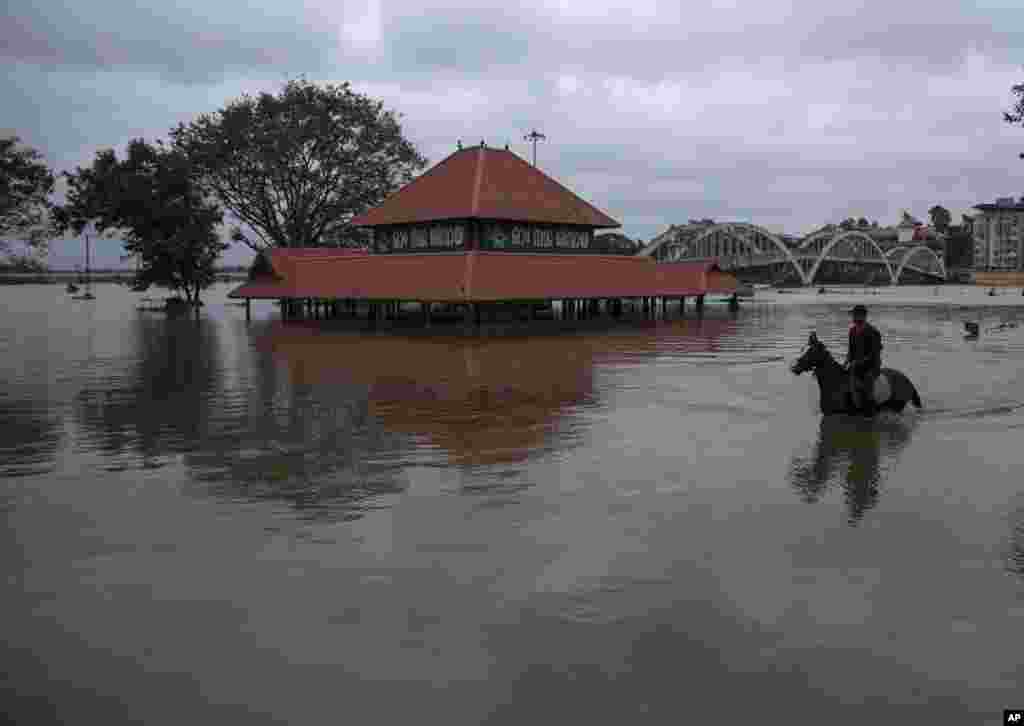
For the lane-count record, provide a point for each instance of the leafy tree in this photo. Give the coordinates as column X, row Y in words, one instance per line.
column 1016, row 114
column 25, row 187
column 154, row 201
column 960, row 245
column 940, row 218
column 296, row 167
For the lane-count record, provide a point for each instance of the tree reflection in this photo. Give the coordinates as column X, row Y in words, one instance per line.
column 161, row 403
column 249, row 432
column 281, row 437
column 853, row 452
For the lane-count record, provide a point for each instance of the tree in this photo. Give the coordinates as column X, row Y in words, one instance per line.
column 940, row 218
column 296, row 167
column 1016, row 114
column 25, row 187
column 153, row 199
column 960, row 245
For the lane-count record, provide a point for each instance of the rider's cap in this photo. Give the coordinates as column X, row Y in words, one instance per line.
column 859, row 310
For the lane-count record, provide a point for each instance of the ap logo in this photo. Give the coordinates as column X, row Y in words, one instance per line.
column 1013, row 717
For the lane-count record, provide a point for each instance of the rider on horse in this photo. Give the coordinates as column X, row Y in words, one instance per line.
column 863, row 358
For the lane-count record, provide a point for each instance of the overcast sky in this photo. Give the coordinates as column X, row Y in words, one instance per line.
column 784, row 113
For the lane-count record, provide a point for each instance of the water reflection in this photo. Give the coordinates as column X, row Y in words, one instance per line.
column 284, row 438
column 479, row 400
column 1016, row 556
column 30, row 436
column 160, row 401
column 852, row 452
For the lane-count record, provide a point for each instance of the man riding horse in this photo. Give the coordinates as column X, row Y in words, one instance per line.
column 863, row 358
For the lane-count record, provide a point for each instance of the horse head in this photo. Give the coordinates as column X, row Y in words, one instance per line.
column 813, row 358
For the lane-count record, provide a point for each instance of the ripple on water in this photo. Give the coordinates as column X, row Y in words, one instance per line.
column 553, row 471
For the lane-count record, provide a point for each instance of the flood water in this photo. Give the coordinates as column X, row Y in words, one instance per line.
column 209, row 521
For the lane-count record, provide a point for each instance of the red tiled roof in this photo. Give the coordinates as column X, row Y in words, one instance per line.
column 482, row 276
column 484, row 183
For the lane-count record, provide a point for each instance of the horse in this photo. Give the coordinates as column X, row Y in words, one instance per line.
column 834, row 384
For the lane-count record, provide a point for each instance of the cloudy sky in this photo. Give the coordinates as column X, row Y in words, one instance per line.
column 785, row 113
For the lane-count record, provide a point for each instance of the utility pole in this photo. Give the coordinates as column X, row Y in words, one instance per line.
column 533, row 137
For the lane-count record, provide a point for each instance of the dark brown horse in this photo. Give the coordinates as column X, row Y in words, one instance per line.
column 834, row 383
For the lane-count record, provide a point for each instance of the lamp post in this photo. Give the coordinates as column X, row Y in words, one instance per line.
column 533, row 137
column 88, row 276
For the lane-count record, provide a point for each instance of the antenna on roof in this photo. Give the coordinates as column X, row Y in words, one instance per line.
column 533, row 137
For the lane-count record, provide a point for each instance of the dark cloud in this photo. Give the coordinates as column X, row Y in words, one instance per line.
column 787, row 113
column 198, row 44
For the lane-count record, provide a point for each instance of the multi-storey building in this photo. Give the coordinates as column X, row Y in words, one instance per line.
column 998, row 232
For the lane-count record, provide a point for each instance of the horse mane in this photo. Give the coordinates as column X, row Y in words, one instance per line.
column 830, row 360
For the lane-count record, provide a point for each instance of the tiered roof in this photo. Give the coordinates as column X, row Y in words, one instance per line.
column 484, row 183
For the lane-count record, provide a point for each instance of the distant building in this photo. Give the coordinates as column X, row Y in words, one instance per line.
column 906, row 229
column 998, row 232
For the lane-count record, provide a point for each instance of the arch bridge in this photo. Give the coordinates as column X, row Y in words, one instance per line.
column 753, row 251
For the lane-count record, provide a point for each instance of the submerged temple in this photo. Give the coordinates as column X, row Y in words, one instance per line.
column 481, row 226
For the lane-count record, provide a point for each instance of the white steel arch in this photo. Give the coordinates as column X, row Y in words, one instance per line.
column 731, row 229
column 672, row 233
column 811, row 239
column 914, row 251
column 841, row 237
column 741, row 239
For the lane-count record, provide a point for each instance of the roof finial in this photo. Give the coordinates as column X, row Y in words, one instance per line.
column 506, row 147
column 459, row 142
column 481, row 143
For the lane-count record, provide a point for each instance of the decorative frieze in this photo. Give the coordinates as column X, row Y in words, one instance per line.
column 493, row 236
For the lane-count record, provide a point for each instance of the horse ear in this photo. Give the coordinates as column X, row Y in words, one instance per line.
column 813, row 338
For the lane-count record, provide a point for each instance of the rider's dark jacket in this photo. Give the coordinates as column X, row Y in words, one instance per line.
column 865, row 350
